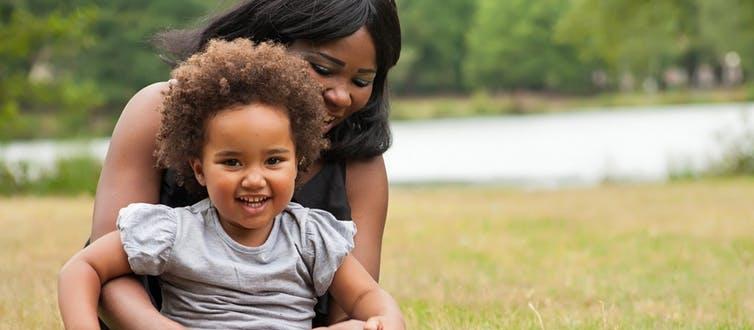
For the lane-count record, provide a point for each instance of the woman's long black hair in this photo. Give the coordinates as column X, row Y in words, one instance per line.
column 365, row 133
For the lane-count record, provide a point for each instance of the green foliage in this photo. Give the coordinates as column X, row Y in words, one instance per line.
column 738, row 155
column 646, row 37
column 631, row 36
column 74, row 175
column 34, row 53
column 81, row 60
column 433, row 45
column 510, row 46
column 72, row 58
column 123, row 61
column 733, row 33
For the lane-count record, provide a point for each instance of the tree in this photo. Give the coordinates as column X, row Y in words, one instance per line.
column 510, row 45
column 33, row 74
column 123, row 60
column 433, row 45
column 728, row 26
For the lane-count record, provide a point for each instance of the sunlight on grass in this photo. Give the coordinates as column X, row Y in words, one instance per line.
column 651, row 256
column 38, row 236
column 629, row 257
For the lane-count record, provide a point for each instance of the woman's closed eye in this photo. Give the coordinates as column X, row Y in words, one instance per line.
column 361, row 82
column 325, row 71
column 321, row 69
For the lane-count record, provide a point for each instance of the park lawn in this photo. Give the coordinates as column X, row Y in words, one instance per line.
column 522, row 102
column 679, row 255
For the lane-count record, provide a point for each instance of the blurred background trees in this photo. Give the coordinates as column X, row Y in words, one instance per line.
column 78, row 60
column 82, row 59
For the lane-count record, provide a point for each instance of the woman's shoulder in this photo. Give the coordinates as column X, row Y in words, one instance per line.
column 150, row 94
column 156, row 88
column 143, row 108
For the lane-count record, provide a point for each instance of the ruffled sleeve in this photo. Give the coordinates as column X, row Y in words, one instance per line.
column 327, row 241
column 148, row 234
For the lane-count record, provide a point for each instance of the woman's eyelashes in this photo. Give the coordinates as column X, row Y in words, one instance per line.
column 320, row 69
column 361, row 82
column 326, row 72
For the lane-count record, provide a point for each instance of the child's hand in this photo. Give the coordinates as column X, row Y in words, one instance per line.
column 384, row 323
column 374, row 323
column 344, row 325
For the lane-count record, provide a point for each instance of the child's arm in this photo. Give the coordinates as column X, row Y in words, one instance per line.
column 362, row 298
column 81, row 277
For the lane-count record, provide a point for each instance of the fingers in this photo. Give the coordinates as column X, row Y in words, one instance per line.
column 373, row 323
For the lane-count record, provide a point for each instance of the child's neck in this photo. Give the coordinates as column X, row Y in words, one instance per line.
column 245, row 236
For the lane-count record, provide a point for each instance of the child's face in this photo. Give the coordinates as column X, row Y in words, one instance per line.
column 248, row 165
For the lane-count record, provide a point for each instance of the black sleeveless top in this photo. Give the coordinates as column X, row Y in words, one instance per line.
column 326, row 190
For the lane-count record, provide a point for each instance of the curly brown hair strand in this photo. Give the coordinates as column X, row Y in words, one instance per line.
column 228, row 74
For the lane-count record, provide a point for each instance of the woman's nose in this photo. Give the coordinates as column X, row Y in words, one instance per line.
column 337, row 98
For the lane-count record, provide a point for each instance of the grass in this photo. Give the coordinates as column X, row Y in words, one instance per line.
column 679, row 255
column 482, row 104
column 71, row 175
column 53, row 124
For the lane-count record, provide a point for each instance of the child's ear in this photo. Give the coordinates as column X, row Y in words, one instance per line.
column 196, row 165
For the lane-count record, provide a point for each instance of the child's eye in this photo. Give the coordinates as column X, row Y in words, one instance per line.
column 273, row 161
column 231, row 162
column 361, row 82
column 320, row 69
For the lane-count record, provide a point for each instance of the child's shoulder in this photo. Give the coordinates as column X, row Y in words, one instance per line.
column 199, row 207
column 317, row 222
column 136, row 213
column 302, row 215
column 144, row 210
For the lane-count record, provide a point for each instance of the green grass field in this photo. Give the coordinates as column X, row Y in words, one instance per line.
column 679, row 255
column 413, row 108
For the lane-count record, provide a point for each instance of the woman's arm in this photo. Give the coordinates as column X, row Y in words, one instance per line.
column 129, row 175
column 367, row 191
column 80, row 279
column 362, row 298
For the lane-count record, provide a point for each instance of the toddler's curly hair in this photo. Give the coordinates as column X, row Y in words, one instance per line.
column 231, row 73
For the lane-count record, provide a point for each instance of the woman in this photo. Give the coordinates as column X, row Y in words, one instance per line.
column 350, row 45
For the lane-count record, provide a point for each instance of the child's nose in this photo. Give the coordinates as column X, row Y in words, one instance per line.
column 253, row 179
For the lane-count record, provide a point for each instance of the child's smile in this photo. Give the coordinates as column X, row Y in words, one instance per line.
column 254, row 205
column 249, row 168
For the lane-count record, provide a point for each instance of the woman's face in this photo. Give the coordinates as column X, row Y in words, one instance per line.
column 346, row 68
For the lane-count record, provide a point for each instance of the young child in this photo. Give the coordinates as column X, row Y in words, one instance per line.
column 238, row 124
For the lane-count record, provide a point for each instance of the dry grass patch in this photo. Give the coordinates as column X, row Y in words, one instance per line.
column 657, row 256
column 38, row 236
column 665, row 256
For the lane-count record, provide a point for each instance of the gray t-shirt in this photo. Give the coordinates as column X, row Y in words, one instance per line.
column 210, row 281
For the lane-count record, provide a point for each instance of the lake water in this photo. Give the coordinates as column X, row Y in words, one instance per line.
column 544, row 150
